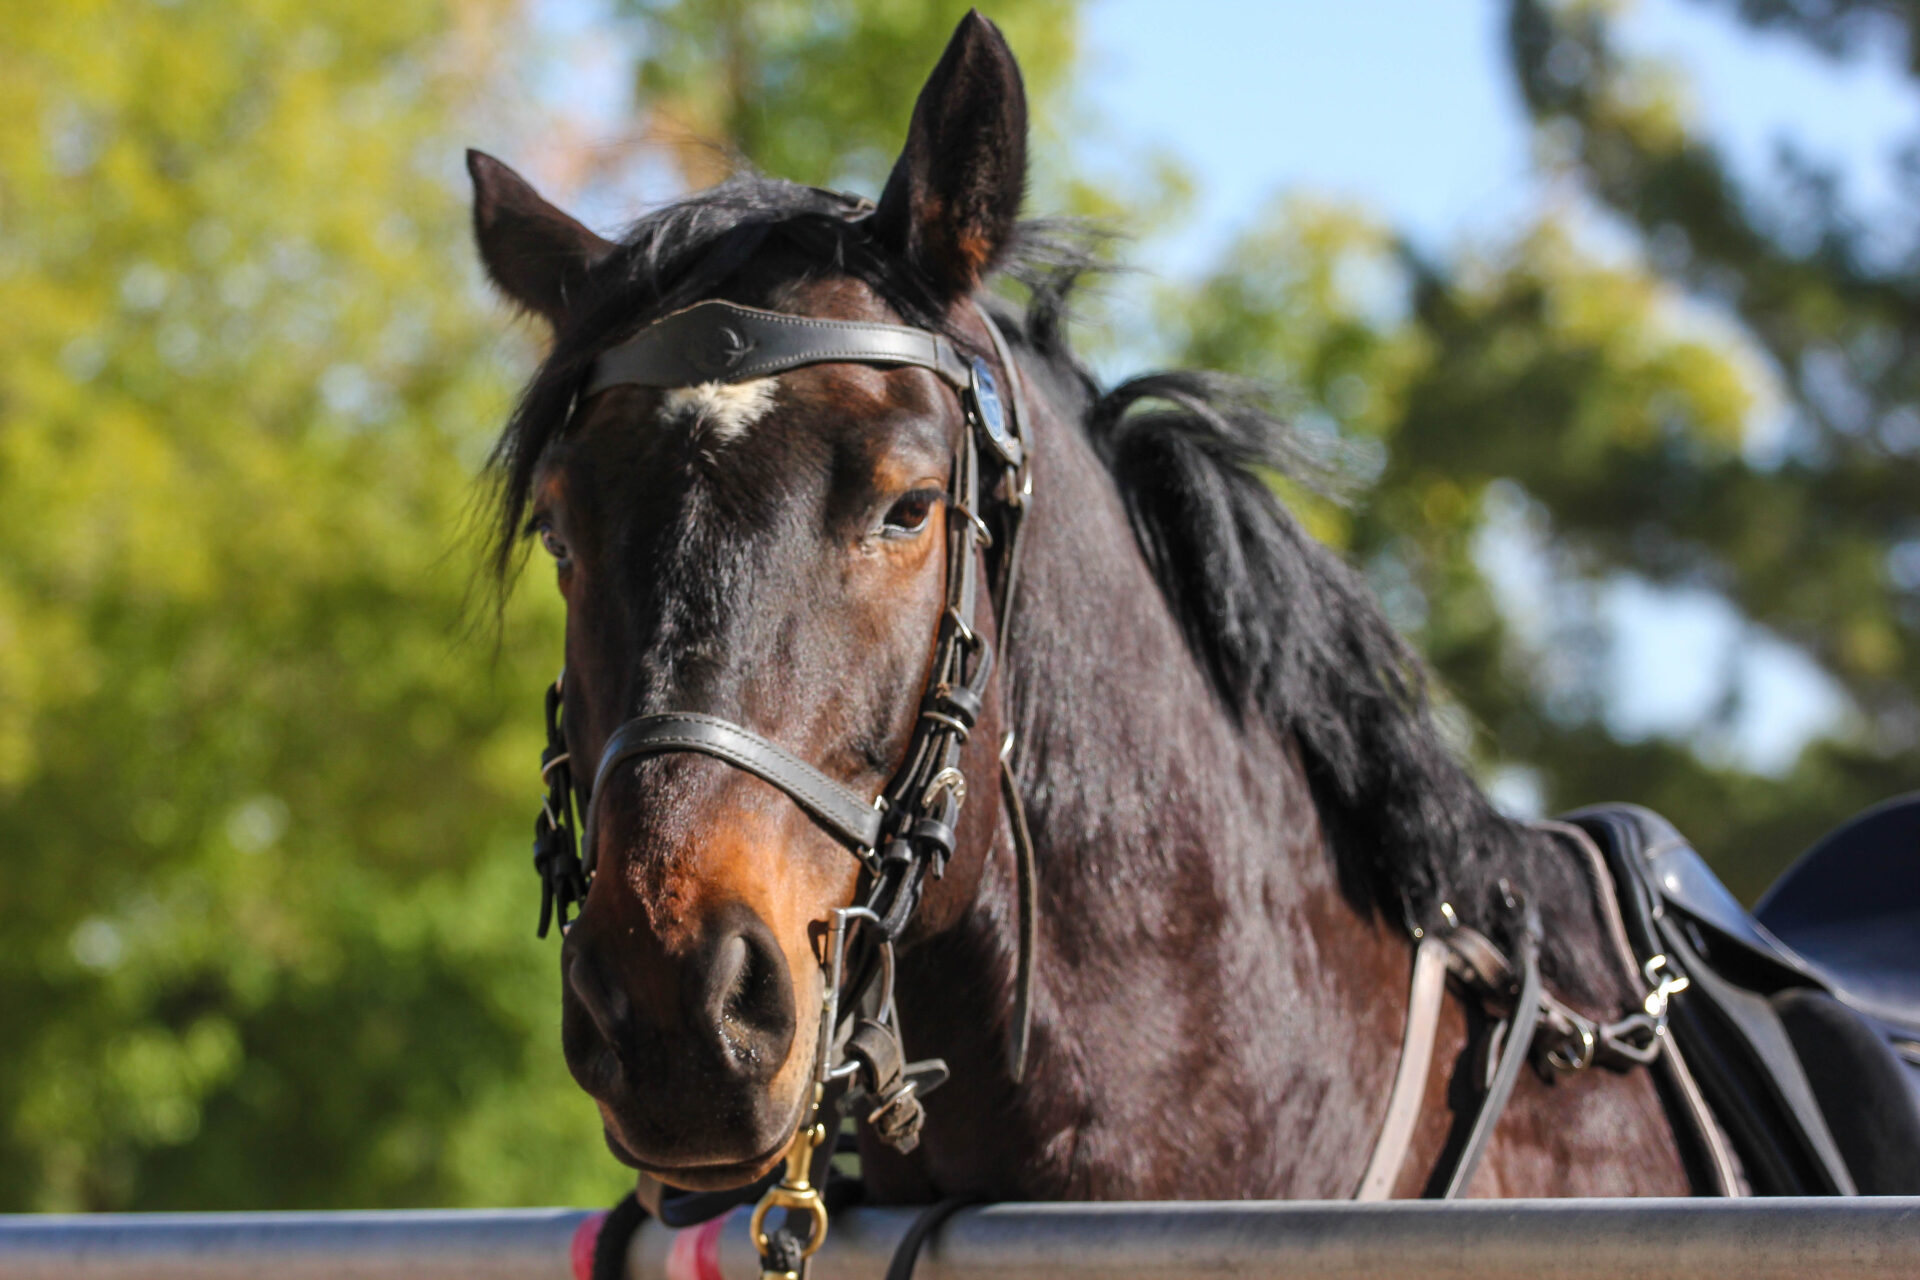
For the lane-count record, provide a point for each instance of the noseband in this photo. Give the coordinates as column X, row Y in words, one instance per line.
column 905, row 833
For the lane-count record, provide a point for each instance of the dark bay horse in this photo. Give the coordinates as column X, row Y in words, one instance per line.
column 1241, row 811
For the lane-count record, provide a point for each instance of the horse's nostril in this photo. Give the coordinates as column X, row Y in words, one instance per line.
column 745, row 979
column 604, row 1002
column 749, row 1000
column 607, row 1008
column 732, row 973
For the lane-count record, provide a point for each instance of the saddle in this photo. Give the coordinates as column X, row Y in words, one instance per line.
column 1801, row 1022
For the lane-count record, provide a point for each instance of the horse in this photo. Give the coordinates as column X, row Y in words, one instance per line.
column 1177, row 954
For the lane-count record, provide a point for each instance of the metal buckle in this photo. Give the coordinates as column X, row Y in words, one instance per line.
column 982, row 536
column 1663, row 990
column 965, row 634
column 948, row 779
column 1567, row 1063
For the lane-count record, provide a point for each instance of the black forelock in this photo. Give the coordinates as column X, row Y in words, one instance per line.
column 677, row 254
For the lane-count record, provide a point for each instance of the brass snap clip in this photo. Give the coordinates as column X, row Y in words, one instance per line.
column 795, row 1191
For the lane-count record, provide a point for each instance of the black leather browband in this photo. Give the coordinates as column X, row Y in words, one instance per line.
column 724, row 342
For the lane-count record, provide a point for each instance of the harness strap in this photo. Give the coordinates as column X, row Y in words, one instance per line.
column 1713, row 1164
column 1540, row 1025
column 1517, row 1046
column 1410, row 1077
column 1022, row 1025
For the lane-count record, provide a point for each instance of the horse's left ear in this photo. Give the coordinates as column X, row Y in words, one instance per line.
column 954, row 196
column 538, row 255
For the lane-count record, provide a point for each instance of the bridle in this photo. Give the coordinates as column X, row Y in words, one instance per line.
column 907, row 832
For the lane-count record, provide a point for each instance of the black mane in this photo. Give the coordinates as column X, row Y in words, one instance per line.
column 1289, row 632
column 1286, row 630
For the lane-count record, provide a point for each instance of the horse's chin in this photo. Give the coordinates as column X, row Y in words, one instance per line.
column 722, row 1176
column 714, row 1170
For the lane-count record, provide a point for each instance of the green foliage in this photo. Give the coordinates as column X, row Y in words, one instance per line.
column 1812, row 538
column 263, row 797
column 1589, row 397
column 264, row 789
column 820, row 91
column 814, row 91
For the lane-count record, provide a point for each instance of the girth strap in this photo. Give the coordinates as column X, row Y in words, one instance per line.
column 851, row 820
column 724, row 342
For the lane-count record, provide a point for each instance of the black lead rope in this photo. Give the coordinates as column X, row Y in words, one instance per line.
column 931, row 1219
column 616, row 1236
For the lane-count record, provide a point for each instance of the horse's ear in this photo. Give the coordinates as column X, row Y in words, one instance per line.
column 954, row 196
column 536, row 254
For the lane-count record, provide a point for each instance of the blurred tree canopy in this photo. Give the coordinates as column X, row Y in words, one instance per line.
column 265, row 789
column 264, row 805
column 1543, row 393
column 1816, row 537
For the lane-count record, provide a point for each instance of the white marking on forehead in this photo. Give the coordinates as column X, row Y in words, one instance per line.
column 719, row 412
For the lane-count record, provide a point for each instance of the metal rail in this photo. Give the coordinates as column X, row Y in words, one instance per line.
column 524, row 1244
column 1475, row 1240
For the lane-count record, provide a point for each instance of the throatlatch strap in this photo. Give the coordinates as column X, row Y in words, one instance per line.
column 724, row 342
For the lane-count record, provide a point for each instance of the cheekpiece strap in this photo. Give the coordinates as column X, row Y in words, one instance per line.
column 718, row 341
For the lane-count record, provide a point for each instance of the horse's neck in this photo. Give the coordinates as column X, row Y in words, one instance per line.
column 1187, row 905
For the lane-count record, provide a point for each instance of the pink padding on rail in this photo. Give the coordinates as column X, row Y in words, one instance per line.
column 585, row 1237
column 695, row 1254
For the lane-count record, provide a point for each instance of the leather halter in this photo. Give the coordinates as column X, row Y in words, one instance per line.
column 907, row 832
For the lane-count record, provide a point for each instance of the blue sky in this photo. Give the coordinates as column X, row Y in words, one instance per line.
column 1406, row 107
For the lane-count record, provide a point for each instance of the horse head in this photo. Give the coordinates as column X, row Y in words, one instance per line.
column 769, row 554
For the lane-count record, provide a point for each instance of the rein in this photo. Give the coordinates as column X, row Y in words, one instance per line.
column 907, row 832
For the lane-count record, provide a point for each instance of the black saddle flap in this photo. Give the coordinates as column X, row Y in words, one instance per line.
column 1724, row 1024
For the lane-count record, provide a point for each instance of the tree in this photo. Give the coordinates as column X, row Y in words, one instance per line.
column 264, row 807
column 264, row 794
column 264, row 787
column 1533, row 385
column 1817, row 539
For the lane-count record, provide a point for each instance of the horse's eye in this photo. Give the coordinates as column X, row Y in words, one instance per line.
column 551, row 541
column 909, row 515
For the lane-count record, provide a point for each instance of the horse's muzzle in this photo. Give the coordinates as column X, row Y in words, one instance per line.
column 682, row 1051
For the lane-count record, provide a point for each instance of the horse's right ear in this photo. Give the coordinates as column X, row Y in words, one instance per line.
column 536, row 254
